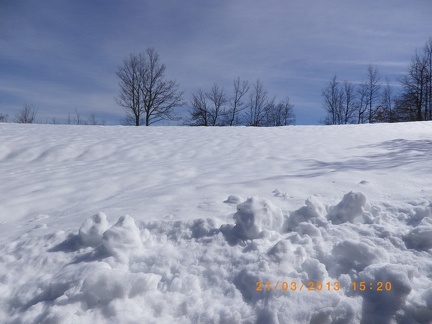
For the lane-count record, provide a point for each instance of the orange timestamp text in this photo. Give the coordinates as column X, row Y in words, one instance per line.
column 321, row 286
column 298, row 286
column 372, row 286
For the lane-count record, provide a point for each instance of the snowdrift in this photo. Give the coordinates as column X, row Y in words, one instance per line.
column 191, row 250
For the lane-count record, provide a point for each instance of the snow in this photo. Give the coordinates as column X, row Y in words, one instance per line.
column 254, row 216
column 122, row 238
column 420, row 237
column 350, row 209
column 92, row 229
column 216, row 225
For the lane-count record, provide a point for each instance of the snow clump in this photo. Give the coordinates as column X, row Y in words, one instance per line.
column 314, row 212
column 105, row 285
column 92, row 229
column 350, row 209
column 351, row 255
column 420, row 238
column 123, row 238
column 233, row 199
column 255, row 215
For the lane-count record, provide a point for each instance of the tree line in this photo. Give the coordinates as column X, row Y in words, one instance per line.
column 147, row 97
column 28, row 113
column 247, row 104
column 373, row 101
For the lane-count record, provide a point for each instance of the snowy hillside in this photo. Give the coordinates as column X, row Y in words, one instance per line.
column 305, row 224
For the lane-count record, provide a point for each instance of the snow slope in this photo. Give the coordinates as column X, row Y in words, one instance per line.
column 216, row 225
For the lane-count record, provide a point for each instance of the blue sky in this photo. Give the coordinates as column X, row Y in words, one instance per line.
column 62, row 55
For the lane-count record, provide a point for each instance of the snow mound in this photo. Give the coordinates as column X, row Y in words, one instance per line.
column 350, row 255
column 233, row 199
column 92, row 229
column 381, row 306
column 313, row 212
column 286, row 252
column 105, row 285
column 420, row 237
column 350, row 209
column 315, row 270
column 255, row 215
column 123, row 238
column 246, row 281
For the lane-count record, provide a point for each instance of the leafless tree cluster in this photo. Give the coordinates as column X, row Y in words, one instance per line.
column 144, row 93
column 339, row 102
column 346, row 103
column 77, row 119
column 208, row 108
column 246, row 105
column 415, row 101
column 216, row 108
column 27, row 115
column 3, row 118
column 374, row 102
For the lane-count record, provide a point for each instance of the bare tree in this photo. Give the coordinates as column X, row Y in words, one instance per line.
column 385, row 112
column 237, row 106
column 160, row 97
column 27, row 115
column 362, row 102
column 3, row 118
column 280, row 114
column 217, row 101
column 78, row 120
column 144, row 93
column 373, row 93
column 208, row 108
column 130, row 83
column 405, row 108
column 415, row 100
column 414, row 85
column 200, row 115
column 333, row 97
column 428, row 92
column 259, row 103
column 349, row 102
column 93, row 120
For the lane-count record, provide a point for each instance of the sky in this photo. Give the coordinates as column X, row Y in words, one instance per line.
column 62, row 56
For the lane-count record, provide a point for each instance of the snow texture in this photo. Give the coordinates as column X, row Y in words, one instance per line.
column 352, row 205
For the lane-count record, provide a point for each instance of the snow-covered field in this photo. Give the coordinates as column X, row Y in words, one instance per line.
column 304, row 224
